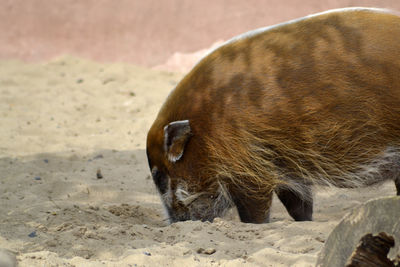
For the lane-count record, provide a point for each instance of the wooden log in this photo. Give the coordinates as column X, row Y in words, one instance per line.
column 372, row 251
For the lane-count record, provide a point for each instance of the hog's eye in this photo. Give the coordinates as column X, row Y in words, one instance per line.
column 160, row 180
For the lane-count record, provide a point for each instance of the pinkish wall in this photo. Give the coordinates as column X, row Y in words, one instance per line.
column 144, row 32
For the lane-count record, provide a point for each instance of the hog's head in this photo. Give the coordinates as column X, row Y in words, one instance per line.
column 175, row 159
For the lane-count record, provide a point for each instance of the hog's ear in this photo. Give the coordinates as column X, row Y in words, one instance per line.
column 176, row 135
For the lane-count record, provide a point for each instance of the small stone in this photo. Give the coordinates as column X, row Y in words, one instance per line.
column 37, row 178
column 197, row 228
column 33, row 234
column 50, row 243
column 98, row 174
column 46, row 161
column 207, row 251
column 108, row 80
column 147, row 253
column 100, row 156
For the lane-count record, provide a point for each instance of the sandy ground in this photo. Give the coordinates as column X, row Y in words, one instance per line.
column 64, row 121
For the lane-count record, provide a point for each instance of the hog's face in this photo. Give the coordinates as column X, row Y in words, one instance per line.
column 183, row 196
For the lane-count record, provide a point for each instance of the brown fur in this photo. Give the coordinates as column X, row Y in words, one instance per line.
column 315, row 101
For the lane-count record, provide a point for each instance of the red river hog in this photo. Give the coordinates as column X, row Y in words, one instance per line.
column 311, row 101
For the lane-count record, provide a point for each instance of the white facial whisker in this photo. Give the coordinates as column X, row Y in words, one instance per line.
column 185, row 197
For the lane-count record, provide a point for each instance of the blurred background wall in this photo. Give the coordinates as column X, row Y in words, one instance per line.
column 143, row 32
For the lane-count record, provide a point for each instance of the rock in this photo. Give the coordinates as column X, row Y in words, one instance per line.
column 98, row 174
column 200, row 250
column 374, row 216
column 207, row 251
column 100, row 156
column 7, row 258
column 33, row 234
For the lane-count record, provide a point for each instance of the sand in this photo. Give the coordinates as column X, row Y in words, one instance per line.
column 75, row 188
